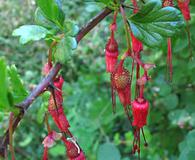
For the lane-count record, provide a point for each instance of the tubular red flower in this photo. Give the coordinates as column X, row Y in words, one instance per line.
column 184, row 7
column 73, row 150
column 140, row 112
column 137, row 45
column 60, row 119
column 111, row 53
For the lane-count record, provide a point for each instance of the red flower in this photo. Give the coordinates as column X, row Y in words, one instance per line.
column 111, row 52
column 55, row 107
column 73, row 151
column 184, row 7
column 136, row 44
column 140, row 112
column 60, row 119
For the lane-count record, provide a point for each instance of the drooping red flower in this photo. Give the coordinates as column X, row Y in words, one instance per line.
column 140, row 112
column 140, row 108
column 111, row 53
column 73, row 151
column 184, row 7
column 55, row 107
column 60, row 119
column 137, row 45
column 120, row 80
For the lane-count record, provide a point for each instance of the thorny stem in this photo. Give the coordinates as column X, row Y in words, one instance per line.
column 4, row 141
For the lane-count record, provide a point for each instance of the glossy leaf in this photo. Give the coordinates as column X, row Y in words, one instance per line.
column 64, row 49
column 52, row 10
column 18, row 90
column 29, row 33
column 153, row 23
column 70, row 28
column 170, row 101
column 41, row 19
column 4, row 102
column 108, row 151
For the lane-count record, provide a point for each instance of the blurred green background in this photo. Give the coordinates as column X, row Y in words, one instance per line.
column 87, row 101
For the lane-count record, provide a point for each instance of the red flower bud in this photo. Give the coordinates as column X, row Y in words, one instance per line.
column 111, row 52
column 136, row 44
column 140, row 112
column 184, row 7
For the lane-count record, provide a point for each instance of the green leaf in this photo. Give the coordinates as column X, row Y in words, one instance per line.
column 64, row 49
column 57, row 150
column 179, row 116
column 18, row 90
column 52, row 11
column 41, row 20
column 70, row 28
column 187, row 147
column 191, row 140
column 29, row 33
column 153, row 23
column 4, row 102
column 170, row 101
column 108, row 151
column 43, row 107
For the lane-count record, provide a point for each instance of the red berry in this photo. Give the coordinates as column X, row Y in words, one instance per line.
column 121, row 79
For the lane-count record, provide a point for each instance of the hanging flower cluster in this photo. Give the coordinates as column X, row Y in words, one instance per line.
column 55, row 109
column 121, row 79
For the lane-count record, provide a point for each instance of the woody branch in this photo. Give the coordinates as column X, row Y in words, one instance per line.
column 23, row 106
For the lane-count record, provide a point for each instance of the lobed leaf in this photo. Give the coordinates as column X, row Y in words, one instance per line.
column 18, row 90
column 4, row 102
column 153, row 23
column 64, row 49
column 52, row 10
column 29, row 33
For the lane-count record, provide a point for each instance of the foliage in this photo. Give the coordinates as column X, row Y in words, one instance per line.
column 170, row 131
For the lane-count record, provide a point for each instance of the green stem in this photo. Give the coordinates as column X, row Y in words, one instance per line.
column 127, row 29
